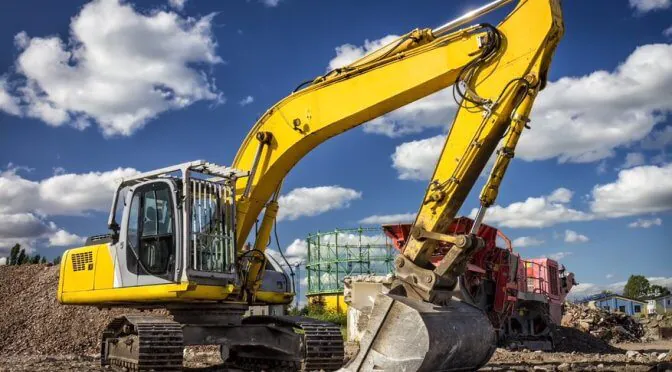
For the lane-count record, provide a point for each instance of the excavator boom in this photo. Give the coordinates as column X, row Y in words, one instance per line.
column 497, row 72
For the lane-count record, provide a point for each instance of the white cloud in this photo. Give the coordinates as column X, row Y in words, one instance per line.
column 434, row 111
column 561, row 195
column 22, row 225
column 633, row 159
column 352, row 239
column 643, row 6
column 586, row 289
column 601, row 167
column 120, row 68
column 645, row 223
column 311, row 201
column 535, row 212
column 526, row 241
column 177, row 4
column 416, row 160
column 62, row 194
column 388, row 218
column 583, row 119
column 270, row 3
column 246, row 101
column 609, row 276
column 292, row 260
column 639, row 190
column 298, row 248
column 559, row 255
column 25, row 204
column 348, row 53
column 62, row 238
column 27, row 228
column 668, row 32
column 661, row 281
column 3, row 261
column 8, row 103
column 572, row 236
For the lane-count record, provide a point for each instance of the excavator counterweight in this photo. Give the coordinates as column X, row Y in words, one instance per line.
column 179, row 235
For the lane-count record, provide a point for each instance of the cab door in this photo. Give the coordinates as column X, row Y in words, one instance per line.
column 149, row 240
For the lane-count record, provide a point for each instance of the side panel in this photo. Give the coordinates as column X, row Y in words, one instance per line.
column 86, row 268
column 104, row 268
column 78, row 269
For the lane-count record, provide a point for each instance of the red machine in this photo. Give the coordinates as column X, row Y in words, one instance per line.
column 522, row 298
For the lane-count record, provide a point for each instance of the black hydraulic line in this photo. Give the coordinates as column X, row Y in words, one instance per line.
column 277, row 242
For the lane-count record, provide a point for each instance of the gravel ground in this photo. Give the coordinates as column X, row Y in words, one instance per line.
column 648, row 359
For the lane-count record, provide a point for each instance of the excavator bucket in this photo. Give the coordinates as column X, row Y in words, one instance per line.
column 405, row 334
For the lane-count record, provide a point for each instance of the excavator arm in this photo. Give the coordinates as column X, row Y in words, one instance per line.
column 496, row 73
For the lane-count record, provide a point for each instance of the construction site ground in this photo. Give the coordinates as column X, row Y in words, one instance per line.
column 38, row 334
column 207, row 359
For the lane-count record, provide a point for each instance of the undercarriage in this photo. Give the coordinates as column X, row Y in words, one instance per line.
column 255, row 343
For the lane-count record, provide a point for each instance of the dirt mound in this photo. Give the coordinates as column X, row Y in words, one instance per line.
column 569, row 340
column 33, row 322
column 610, row 327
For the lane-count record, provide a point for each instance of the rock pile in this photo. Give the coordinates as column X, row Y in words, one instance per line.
column 610, row 327
column 33, row 322
column 653, row 324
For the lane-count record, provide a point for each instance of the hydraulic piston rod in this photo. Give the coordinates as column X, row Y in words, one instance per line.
column 468, row 17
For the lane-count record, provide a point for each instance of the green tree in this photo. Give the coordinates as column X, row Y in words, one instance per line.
column 43, row 260
column 35, row 259
column 21, row 258
column 14, row 254
column 656, row 290
column 57, row 260
column 636, row 287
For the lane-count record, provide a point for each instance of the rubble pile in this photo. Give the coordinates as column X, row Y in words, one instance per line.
column 653, row 324
column 610, row 327
column 33, row 322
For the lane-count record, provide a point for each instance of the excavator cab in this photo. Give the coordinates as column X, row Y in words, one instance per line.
column 172, row 229
column 177, row 222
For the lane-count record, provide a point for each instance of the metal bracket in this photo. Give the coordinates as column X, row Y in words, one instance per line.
column 421, row 234
column 424, row 283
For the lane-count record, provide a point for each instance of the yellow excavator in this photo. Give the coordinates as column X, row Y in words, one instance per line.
column 178, row 234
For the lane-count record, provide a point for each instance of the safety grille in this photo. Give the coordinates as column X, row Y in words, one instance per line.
column 81, row 260
column 553, row 277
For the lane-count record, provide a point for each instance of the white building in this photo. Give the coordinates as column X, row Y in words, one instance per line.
column 660, row 305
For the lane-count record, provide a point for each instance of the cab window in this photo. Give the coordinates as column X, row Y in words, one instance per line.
column 150, row 230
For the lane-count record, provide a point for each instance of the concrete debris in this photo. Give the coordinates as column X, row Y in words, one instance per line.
column 610, row 327
column 653, row 325
column 630, row 354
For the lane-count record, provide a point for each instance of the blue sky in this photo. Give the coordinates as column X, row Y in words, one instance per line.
column 92, row 91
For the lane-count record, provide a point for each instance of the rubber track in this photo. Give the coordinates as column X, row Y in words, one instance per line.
column 323, row 346
column 160, row 345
